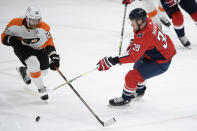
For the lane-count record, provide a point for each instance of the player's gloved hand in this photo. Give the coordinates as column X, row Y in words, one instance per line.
column 107, row 62
column 170, row 3
column 55, row 61
column 127, row 1
column 13, row 41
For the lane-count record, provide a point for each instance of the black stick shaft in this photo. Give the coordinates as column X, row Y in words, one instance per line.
column 101, row 122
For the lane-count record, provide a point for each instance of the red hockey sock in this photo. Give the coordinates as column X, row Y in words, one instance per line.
column 131, row 80
column 177, row 19
column 194, row 16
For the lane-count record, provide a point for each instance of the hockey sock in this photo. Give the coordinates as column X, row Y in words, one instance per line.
column 177, row 20
column 194, row 17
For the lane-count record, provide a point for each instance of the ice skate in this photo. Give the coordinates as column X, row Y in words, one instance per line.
column 184, row 41
column 119, row 101
column 165, row 21
column 44, row 97
column 22, row 71
column 140, row 91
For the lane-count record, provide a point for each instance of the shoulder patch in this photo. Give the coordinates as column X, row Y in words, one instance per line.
column 140, row 35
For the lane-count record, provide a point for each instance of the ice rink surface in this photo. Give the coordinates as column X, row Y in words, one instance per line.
column 85, row 31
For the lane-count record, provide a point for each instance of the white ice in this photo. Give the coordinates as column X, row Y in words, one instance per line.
column 85, row 31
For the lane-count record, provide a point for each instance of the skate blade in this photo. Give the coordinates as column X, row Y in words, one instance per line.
column 119, row 107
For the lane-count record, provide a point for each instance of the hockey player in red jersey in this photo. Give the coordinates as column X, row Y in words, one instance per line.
column 32, row 43
column 151, row 50
column 172, row 7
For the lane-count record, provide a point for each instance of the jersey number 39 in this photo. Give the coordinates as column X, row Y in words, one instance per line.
column 162, row 38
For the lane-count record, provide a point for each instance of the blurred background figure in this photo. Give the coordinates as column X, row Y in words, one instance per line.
column 172, row 8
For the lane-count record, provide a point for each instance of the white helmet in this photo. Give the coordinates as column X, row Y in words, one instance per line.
column 33, row 13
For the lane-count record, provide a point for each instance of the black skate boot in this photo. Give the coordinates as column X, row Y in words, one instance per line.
column 44, row 97
column 22, row 71
column 184, row 41
column 165, row 21
column 126, row 98
column 119, row 101
column 140, row 90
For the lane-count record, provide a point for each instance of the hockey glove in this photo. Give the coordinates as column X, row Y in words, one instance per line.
column 107, row 62
column 127, row 2
column 13, row 41
column 55, row 61
column 170, row 3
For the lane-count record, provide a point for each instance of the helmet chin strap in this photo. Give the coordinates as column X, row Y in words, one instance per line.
column 139, row 25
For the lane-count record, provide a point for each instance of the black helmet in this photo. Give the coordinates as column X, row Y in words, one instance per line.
column 137, row 14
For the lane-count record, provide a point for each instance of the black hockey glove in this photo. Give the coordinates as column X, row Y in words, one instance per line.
column 13, row 41
column 55, row 61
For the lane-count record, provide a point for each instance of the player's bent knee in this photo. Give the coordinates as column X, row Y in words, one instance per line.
column 132, row 78
column 33, row 65
column 177, row 19
column 45, row 72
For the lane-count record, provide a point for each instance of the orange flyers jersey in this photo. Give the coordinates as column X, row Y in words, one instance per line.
column 16, row 27
column 151, row 43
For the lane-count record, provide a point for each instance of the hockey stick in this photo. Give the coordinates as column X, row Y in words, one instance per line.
column 69, row 81
column 122, row 32
column 74, row 79
column 107, row 123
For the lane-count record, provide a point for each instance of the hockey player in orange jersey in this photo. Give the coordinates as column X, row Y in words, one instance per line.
column 32, row 43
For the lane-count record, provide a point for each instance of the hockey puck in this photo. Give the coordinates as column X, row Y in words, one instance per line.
column 37, row 118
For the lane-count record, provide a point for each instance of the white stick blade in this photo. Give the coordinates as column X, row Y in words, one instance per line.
column 109, row 122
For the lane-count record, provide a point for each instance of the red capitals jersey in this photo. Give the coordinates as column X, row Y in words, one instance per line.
column 151, row 43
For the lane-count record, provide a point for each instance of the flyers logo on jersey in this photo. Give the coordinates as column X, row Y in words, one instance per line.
column 34, row 41
column 31, row 41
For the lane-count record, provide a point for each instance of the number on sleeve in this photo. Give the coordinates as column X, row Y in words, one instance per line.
column 162, row 38
column 136, row 47
column 48, row 35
